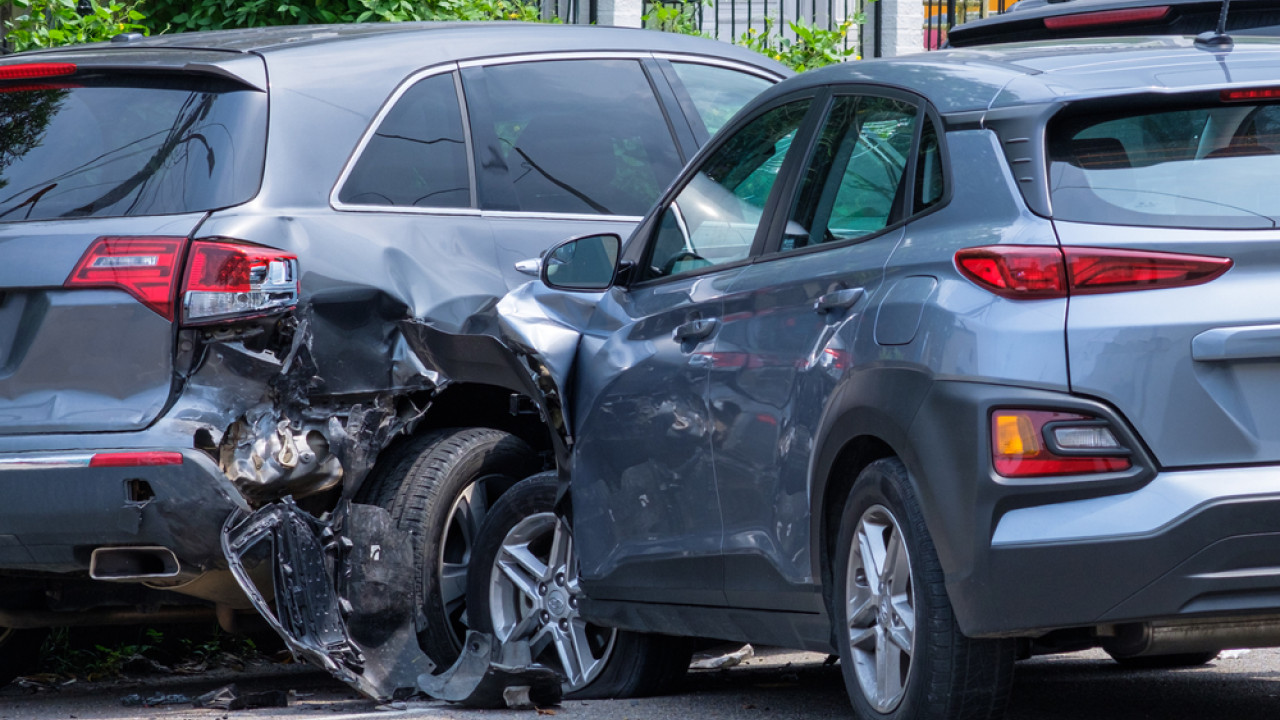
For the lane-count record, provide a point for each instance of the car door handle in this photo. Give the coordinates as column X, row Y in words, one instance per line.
column 838, row 300
column 694, row 330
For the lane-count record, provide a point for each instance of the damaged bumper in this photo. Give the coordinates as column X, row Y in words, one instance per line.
column 339, row 591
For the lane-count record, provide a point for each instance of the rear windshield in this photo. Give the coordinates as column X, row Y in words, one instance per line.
column 114, row 146
column 1199, row 167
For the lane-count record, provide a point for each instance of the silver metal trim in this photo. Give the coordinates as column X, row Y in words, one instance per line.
column 559, row 216
column 45, row 462
column 720, row 62
column 557, row 55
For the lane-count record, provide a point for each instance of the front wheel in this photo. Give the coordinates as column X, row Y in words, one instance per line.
column 523, row 586
column 902, row 654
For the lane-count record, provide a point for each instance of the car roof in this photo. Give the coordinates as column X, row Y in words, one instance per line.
column 419, row 43
column 989, row 77
column 1025, row 20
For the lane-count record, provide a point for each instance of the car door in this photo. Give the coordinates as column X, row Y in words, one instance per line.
column 795, row 324
column 647, row 511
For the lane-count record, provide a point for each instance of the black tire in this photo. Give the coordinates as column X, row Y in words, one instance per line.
column 438, row 487
column 944, row 675
column 19, row 652
column 1166, row 662
column 626, row 664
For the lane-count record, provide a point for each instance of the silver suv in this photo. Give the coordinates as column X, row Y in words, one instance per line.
column 933, row 363
column 210, row 245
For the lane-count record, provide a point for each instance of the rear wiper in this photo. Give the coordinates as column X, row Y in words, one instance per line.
column 30, row 203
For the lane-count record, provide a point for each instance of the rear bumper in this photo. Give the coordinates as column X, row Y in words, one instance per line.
column 1023, row 557
column 1187, row 544
column 55, row 509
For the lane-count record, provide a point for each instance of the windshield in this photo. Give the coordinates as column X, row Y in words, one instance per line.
column 1194, row 167
column 115, row 146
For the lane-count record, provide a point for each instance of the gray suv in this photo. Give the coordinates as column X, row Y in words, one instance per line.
column 932, row 363
column 210, row 245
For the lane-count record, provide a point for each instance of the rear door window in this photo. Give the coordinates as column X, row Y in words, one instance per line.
column 418, row 155
column 569, row 136
column 1197, row 167
column 111, row 146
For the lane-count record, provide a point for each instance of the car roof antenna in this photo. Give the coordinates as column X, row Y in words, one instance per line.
column 1216, row 39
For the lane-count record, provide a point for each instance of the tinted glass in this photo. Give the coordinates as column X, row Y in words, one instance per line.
column 857, row 173
column 714, row 218
column 114, row 146
column 571, row 136
column 717, row 93
column 1194, row 167
column 929, row 179
column 418, row 155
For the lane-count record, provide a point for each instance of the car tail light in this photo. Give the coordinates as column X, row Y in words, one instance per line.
column 135, row 459
column 1249, row 94
column 1037, row 443
column 1031, row 272
column 228, row 280
column 144, row 267
column 1107, row 17
column 33, row 71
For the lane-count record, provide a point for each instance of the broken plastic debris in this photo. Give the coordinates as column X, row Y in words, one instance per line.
column 718, row 659
column 230, row 697
column 136, row 700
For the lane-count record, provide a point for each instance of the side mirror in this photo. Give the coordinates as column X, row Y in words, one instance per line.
column 584, row 264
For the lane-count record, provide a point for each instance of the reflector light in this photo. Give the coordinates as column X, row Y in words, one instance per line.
column 1106, row 17
column 1250, row 94
column 135, row 459
column 226, row 280
column 1031, row 272
column 144, row 267
column 32, row 71
column 1018, row 448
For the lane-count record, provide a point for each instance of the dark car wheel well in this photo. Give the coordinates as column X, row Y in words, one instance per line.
column 464, row 405
column 856, row 454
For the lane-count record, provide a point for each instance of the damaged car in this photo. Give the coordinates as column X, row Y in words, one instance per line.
column 932, row 363
column 230, row 267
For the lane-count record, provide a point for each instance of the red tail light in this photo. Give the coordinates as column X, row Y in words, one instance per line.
column 144, row 267
column 32, row 71
column 1037, row 443
column 228, row 280
column 224, row 280
column 1250, row 94
column 1022, row 272
column 1106, row 17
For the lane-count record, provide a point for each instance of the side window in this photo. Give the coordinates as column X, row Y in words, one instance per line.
column 717, row 93
column 569, row 136
column 929, row 178
column 714, row 218
column 857, row 175
column 418, row 156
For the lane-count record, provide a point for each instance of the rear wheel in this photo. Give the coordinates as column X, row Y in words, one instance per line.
column 439, row 488
column 19, row 652
column 524, row 587
column 902, row 653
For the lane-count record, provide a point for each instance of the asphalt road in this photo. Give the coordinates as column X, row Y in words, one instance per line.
column 1081, row 686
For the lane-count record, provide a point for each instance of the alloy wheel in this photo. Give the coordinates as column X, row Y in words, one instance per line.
column 534, row 596
column 880, row 617
column 462, row 525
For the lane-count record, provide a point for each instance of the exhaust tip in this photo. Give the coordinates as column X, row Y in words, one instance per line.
column 133, row 563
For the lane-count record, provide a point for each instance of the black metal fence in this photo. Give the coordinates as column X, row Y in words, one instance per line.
column 738, row 21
